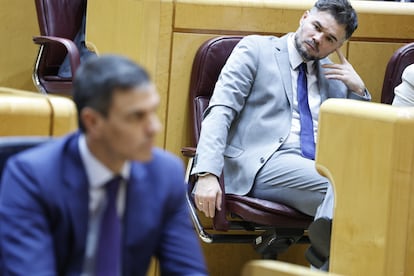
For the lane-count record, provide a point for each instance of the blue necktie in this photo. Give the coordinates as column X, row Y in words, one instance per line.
column 307, row 142
column 108, row 254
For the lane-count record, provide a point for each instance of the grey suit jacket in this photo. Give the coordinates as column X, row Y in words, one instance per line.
column 250, row 112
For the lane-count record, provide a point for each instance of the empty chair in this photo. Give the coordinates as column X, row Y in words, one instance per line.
column 59, row 22
column 270, row 226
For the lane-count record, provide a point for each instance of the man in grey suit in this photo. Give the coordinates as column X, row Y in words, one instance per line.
column 252, row 128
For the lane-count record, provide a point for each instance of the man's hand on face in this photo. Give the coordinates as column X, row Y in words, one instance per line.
column 207, row 195
column 345, row 73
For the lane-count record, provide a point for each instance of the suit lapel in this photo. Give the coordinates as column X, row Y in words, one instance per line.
column 282, row 59
column 135, row 200
column 78, row 192
column 134, row 191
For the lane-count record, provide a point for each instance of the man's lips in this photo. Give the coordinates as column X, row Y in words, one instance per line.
column 312, row 46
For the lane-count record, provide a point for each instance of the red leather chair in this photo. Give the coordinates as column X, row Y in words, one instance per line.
column 401, row 58
column 270, row 226
column 59, row 22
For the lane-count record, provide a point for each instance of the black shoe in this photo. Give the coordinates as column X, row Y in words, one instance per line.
column 320, row 237
column 315, row 259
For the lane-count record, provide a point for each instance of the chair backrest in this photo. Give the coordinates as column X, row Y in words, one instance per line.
column 208, row 62
column 403, row 57
column 59, row 18
column 207, row 66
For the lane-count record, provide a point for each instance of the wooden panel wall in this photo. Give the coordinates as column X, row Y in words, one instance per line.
column 164, row 36
column 18, row 24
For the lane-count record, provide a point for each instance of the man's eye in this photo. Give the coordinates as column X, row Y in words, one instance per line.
column 136, row 116
column 139, row 116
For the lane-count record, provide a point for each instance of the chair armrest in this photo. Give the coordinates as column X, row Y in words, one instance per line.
column 73, row 51
column 188, row 151
column 220, row 221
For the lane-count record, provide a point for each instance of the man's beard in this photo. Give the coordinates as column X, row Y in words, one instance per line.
column 302, row 52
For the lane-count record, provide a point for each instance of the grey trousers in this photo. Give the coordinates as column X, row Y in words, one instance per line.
column 289, row 178
column 327, row 205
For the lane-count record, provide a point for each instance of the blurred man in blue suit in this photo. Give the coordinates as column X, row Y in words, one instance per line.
column 58, row 217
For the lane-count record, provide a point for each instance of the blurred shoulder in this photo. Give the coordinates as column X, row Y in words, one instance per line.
column 164, row 156
column 261, row 38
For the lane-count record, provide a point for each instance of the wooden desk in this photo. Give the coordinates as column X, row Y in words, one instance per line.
column 277, row 268
column 30, row 113
column 367, row 151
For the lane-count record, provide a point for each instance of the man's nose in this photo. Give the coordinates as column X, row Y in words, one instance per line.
column 154, row 124
column 317, row 37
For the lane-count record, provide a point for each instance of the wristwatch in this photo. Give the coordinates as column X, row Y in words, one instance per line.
column 201, row 174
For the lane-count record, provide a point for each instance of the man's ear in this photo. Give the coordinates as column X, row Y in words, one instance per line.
column 92, row 120
column 304, row 16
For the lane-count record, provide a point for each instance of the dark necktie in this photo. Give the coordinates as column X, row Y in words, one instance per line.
column 307, row 142
column 108, row 254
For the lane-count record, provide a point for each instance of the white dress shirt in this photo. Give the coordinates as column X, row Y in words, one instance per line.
column 98, row 175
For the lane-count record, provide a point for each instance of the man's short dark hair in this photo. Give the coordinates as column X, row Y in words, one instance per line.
column 342, row 11
column 98, row 77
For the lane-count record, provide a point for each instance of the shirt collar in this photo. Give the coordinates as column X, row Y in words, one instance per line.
column 98, row 174
column 295, row 58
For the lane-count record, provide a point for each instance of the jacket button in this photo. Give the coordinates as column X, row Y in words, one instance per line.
column 281, row 140
column 262, row 160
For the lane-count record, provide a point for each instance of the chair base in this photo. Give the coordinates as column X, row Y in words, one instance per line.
column 275, row 241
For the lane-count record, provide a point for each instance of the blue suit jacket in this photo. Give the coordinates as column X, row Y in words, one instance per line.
column 44, row 214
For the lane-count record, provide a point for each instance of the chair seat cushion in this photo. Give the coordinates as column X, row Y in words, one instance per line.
column 266, row 212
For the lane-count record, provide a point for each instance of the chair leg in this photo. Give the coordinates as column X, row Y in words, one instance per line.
column 35, row 76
